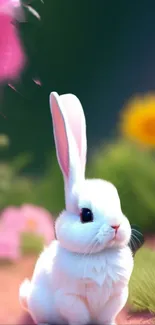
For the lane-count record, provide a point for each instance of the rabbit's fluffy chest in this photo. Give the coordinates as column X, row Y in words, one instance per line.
column 108, row 269
column 95, row 278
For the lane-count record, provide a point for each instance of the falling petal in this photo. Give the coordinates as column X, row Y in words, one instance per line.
column 33, row 11
column 37, row 82
column 12, row 87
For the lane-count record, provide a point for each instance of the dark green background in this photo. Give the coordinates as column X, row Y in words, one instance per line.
column 102, row 51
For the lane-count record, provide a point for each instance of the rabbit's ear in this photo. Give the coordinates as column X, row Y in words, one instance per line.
column 70, row 135
column 76, row 120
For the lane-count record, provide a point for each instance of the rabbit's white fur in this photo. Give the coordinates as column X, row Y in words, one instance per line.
column 83, row 275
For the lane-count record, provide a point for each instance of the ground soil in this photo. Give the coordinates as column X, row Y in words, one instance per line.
column 12, row 275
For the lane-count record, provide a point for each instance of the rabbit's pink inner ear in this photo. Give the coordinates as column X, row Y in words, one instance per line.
column 76, row 121
column 60, row 136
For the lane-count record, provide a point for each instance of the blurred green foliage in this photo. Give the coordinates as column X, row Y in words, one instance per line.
column 31, row 243
column 142, row 284
column 132, row 171
column 50, row 188
column 128, row 167
column 16, row 189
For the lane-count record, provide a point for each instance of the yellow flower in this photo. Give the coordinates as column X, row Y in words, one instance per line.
column 138, row 119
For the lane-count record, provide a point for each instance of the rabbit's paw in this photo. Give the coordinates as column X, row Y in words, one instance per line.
column 72, row 309
column 112, row 308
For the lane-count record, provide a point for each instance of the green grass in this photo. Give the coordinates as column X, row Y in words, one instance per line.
column 142, row 283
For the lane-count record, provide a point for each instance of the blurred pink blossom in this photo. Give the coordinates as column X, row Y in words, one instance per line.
column 12, row 58
column 11, row 219
column 29, row 218
column 17, row 220
column 9, row 245
column 38, row 220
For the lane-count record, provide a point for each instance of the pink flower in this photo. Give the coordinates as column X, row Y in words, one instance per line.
column 11, row 219
column 10, row 6
column 29, row 218
column 9, row 245
column 12, row 58
column 38, row 220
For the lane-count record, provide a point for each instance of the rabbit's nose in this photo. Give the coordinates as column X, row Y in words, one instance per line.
column 116, row 227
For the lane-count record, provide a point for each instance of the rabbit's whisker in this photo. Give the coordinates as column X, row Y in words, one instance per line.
column 132, row 243
column 136, row 231
column 136, row 238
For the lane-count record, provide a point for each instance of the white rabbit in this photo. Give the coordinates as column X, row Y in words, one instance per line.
column 82, row 276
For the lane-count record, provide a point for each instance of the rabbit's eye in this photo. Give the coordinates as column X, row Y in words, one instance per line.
column 86, row 215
